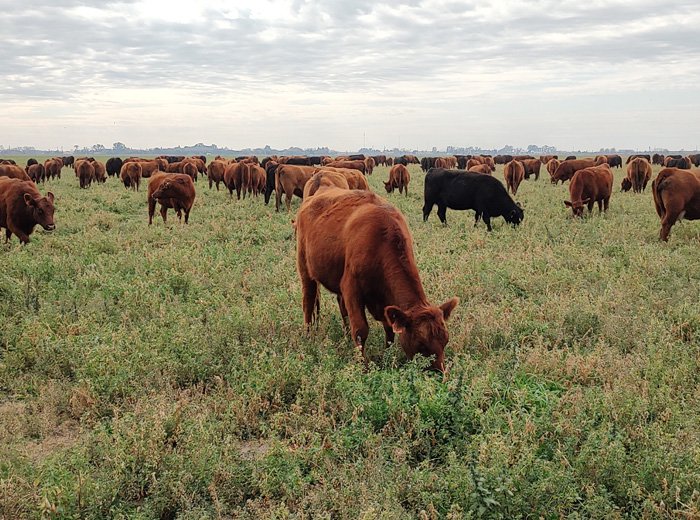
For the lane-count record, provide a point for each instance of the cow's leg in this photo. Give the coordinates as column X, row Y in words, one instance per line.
column 278, row 199
column 212, row 182
column 151, row 210
column 427, row 208
column 590, row 206
column 359, row 329
column 606, row 201
column 288, row 201
column 343, row 311
column 8, row 234
column 238, row 191
column 442, row 214
column 667, row 223
column 309, row 290
column 164, row 213
column 477, row 216
column 487, row 221
column 187, row 216
column 600, row 206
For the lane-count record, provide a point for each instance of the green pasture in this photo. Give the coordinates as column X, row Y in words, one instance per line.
column 164, row 371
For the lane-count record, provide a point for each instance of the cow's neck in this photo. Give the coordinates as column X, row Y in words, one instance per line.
column 406, row 288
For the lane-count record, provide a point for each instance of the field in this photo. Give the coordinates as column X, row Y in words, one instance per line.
column 164, row 371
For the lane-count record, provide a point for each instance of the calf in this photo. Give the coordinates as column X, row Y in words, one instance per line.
column 398, row 178
column 22, row 207
column 676, row 196
column 589, row 186
column 171, row 190
column 359, row 247
column 459, row 190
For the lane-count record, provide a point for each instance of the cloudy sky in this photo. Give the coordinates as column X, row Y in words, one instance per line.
column 569, row 73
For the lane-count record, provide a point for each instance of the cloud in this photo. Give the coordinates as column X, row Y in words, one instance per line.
column 343, row 68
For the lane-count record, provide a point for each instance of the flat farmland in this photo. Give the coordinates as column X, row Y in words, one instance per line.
column 164, row 371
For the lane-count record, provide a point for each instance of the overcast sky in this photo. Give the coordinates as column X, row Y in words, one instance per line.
column 568, row 73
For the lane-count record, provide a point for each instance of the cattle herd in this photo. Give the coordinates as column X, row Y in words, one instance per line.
column 350, row 240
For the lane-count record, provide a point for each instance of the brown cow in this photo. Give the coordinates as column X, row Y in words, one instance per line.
column 324, row 179
column 552, row 166
column 588, row 186
column 130, row 175
column 676, row 196
column 544, row 159
column 13, row 172
column 481, row 168
column 233, row 178
column 356, row 181
column 390, row 161
column 474, row 161
column 514, row 173
column 441, row 162
column 190, row 169
column 369, row 165
column 215, row 172
column 684, row 163
column 100, row 172
column 171, row 190
column 399, row 178
column 290, row 180
column 531, row 167
column 85, row 171
column 52, row 168
column 601, row 159
column 257, row 179
column 638, row 175
column 22, row 207
column 568, row 168
column 353, row 165
column 35, row 172
column 359, row 247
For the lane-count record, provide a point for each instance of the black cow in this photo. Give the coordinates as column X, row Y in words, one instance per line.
column 270, row 170
column 614, row 161
column 31, row 161
column 570, row 158
column 299, row 161
column 114, row 166
column 466, row 190
column 68, row 161
column 357, row 157
column 462, row 161
column 316, row 160
column 683, row 163
column 401, row 160
column 635, row 155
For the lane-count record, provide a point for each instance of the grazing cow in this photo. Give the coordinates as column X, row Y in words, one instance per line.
column 190, row 168
column 171, row 190
column 151, row 166
column 295, row 161
column 502, row 159
column 531, row 167
column 398, row 178
column 359, row 247
column 570, row 158
column 357, row 157
column 462, row 161
column 85, row 171
column 31, row 161
column 52, row 167
column 369, row 165
column 401, row 160
column 324, row 179
column 588, row 186
column 695, row 159
column 514, row 173
column 130, row 175
column 35, row 172
column 290, row 180
column 13, row 172
column 552, row 166
column 356, row 180
column 100, row 171
column 676, row 196
column 390, row 161
column 683, row 163
column 68, row 161
column 215, row 172
column 354, row 165
column 638, row 175
column 257, row 179
column 614, row 160
column 459, row 190
column 481, row 168
column 488, row 161
column 380, row 160
column 8, row 161
column 657, row 158
column 440, row 163
column 113, row 166
column 569, row 167
column 22, row 207
column 233, row 178
column 474, row 161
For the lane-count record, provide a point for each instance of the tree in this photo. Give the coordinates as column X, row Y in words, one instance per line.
column 98, row 148
column 118, row 147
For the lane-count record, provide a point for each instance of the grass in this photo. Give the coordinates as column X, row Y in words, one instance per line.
column 163, row 371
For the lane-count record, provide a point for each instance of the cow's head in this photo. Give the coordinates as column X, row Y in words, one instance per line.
column 422, row 330
column 626, row 185
column 41, row 210
column 577, row 206
column 516, row 215
column 389, row 186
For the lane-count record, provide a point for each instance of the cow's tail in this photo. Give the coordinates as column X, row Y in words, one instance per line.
column 657, row 188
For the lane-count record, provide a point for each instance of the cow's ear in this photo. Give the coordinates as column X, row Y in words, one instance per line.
column 49, row 196
column 28, row 200
column 397, row 319
column 448, row 307
column 567, row 203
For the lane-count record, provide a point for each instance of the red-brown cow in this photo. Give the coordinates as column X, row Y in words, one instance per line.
column 676, row 196
column 588, row 186
column 22, row 207
column 356, row 180
column 215, row 172
column 35, row 172
column 171, row 190
column 531, row 167
column 569, row 167
column 514, row 173
column 13, row 171
column 638, row 175
column 130, row 175
column 324, row 179
column 85, row 171
column 290, row 180
column 398, row 178
column 481, row 168
column 359, row 247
